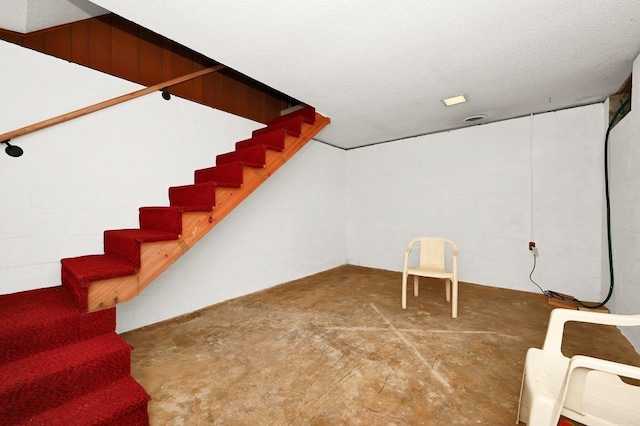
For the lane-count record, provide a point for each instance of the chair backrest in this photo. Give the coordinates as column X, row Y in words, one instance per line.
column 559, row 317
column 432, row 251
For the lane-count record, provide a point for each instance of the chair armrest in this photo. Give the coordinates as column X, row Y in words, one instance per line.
column 409, row 249
column 454, row 247
column 558, row 318
column 573, row 388
column 407, row 252
column 624, row 370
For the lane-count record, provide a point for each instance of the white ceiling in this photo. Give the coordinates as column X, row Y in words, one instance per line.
column 380, row 69
column 25, row 16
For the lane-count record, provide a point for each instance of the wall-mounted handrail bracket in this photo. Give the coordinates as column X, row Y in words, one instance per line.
column 165, row 93
column 12, row 150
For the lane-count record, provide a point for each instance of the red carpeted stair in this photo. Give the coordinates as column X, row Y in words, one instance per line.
column 63, row 365
column 54, row 355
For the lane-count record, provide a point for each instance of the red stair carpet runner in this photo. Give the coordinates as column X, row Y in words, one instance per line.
column 62, row 365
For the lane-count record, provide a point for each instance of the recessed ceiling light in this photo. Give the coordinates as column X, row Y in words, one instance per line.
column 460, row 99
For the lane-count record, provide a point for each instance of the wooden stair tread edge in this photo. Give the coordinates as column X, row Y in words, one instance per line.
column 141, row 235
column 195, row 208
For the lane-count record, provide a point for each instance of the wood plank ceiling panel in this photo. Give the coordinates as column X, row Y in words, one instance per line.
column 80, row 43
column 119, row 47
column 198, row 65
column 124, row 49
column 149, row 57
column 224, row 90
column 58, row 42
column 100, row 44
column 167, row 59
column 182, row 65
column 34, row 41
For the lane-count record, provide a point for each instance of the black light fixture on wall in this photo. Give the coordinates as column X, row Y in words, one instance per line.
column 12, row 150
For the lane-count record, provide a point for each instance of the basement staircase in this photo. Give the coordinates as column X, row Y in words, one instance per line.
column 61, row 362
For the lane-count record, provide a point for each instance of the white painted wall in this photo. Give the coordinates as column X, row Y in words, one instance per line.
column 624, row 186
column 292, row 226
column 474, row 186
column 77, row 179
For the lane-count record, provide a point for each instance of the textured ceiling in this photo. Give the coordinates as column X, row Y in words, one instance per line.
column 379, row 69
column 25, row 16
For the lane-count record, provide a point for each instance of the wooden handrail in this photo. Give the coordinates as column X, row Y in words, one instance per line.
column 5, row 137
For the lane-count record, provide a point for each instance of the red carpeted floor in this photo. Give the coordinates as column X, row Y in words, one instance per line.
column 60, row 365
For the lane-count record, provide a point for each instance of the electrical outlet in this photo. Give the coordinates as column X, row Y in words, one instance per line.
column 532, row 245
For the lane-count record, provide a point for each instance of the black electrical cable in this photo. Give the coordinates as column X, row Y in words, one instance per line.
column 548, row 293
column 553, row 294
column 531, row 273
column 608, row 208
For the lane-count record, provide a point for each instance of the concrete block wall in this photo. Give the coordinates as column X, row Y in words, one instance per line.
column 491, row 189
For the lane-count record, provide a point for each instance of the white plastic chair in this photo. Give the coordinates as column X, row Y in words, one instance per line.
column 585, row 389
column 432, row 264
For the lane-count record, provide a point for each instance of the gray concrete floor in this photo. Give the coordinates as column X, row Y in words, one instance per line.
column 336, row 348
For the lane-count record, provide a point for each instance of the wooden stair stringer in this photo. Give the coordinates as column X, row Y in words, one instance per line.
column 156, row 257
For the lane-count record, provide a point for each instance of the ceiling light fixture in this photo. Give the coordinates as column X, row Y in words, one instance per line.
column 475, row 118
column 460, row 99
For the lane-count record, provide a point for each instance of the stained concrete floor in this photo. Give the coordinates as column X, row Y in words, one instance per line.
column 336, row 348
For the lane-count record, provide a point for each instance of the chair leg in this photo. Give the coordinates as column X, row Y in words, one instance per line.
column 447, row 289
column 454, row 298
column 416, row 283
column 520, row 398
column 404, row 290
